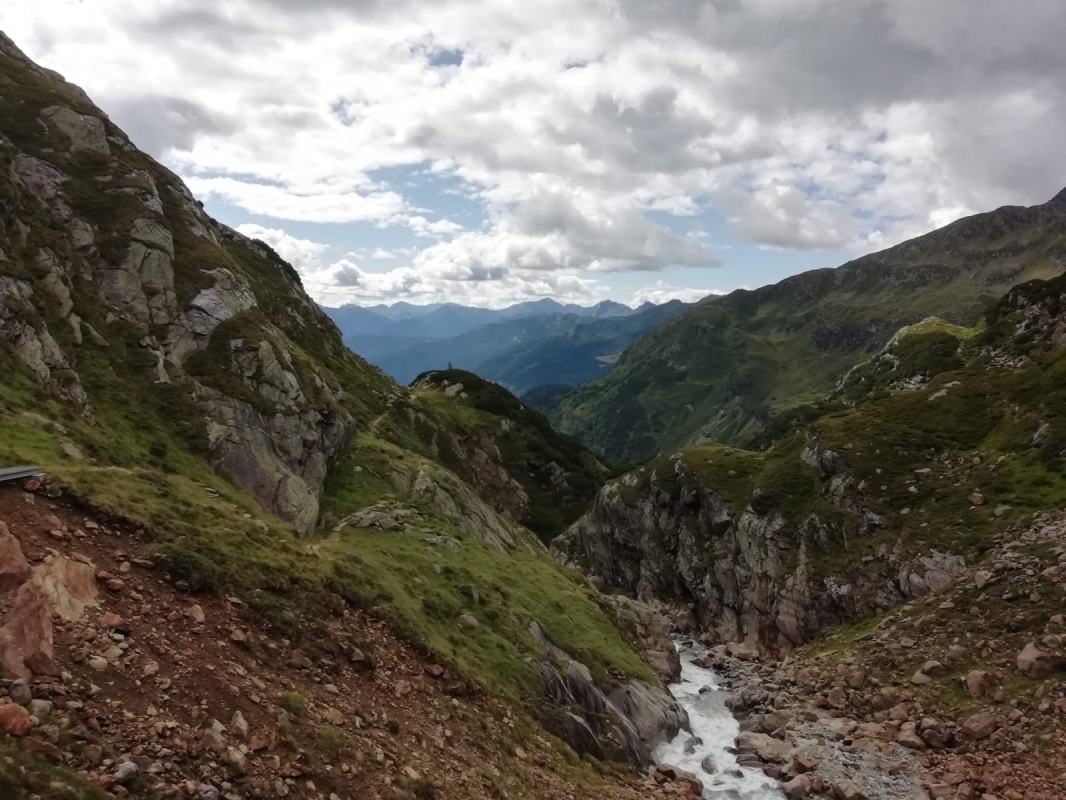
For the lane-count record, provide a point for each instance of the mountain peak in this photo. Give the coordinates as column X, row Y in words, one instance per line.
column 1058, row 201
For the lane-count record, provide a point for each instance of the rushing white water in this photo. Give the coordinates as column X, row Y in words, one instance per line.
column 714, row 724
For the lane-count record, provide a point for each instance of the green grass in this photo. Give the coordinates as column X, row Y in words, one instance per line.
column 398, row 572
column 27, row 777
column 529, row 449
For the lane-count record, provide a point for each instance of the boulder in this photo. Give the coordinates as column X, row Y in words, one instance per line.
column 980, row 725
column 26, row 631
column 14, row 569
column 86, row 133
column 847, row 790
column 1038, row 665
column 768, row 749
column 15, row 720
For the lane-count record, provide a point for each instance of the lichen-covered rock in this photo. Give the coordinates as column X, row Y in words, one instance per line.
column 86, row 133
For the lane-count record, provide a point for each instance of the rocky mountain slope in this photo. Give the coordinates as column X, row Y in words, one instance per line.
column 886, row 574
column 958, row 694
column 956, row 434
column 184, row 394
column 721, row 370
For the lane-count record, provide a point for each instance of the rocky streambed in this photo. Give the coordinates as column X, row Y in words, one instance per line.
column 707, row 750
column 754, row 737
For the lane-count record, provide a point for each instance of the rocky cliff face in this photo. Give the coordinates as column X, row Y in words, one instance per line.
column 745, row 575
column 98, row 243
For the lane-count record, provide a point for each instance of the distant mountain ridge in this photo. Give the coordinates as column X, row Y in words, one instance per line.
column 522, row 346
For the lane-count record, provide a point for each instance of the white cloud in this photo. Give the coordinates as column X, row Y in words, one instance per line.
column 585, row 134
column 319, row 204
column 303, row 254
column 442, row 227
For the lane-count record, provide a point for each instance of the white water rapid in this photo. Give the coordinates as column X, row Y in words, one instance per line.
column 714, row 724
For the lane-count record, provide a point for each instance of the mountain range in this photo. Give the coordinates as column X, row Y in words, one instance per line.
column 720, row 371
column 240, row 561
column 522, row 347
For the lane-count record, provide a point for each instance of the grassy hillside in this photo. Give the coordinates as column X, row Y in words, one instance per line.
column 128, row 368
column 721, row 370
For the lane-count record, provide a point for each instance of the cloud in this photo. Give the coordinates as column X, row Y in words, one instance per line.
column 303, row 254
column 312, row 204
column 423, row 227
column 587, row 137
column 159, row 124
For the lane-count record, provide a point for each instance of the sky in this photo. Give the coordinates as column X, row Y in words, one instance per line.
column 488, row 152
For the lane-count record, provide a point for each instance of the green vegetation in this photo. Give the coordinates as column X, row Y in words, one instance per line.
column 722, row 370
column 293, row 703
column 425, row 587
column 559, row 475
column 28, row 777
column 330, row 740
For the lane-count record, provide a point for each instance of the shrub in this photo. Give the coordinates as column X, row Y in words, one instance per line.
column 294, row 703
column 330, row 739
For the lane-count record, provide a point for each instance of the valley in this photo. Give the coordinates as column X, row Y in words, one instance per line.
column 267, row 550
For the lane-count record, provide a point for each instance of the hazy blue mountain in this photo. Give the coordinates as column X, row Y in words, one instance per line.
column 521, row 352
column 575, row 356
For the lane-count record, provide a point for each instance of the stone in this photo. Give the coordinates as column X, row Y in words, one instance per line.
column 981, row 578
column 15, row 720
column 708, row 765
column 908, row 737
column 468, row 621
column 766, row 748
column 977, row 499
column 980, row 725
column 837, row 697
column 435, row 671
column 402, row 688
column 14, row 569
column 977, row 682
column 775, row 720
column 804, row 762
column 798, row 788
column 213, row 740
column 20, row 693
column 97, row 663
column 919, row 678
column 151, row 669
column 847, row 790
column 239, row 725
column 934, row 669
column 1038, row 665
column 39, row 708
column 857, row 680
column 196, row 614
column 125, row 772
